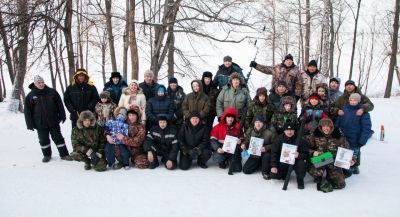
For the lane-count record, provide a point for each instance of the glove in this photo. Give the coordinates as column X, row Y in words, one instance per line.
column 253, row 64
column 95, row 157
column 185, row 150
column 194, row 153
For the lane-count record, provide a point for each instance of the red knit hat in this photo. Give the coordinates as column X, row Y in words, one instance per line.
column 314, row 96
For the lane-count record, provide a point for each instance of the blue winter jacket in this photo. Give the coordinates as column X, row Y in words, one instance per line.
column 115, row 126
column 159, row 106
column 356, row 129
column 115, row 89
column 222, row 76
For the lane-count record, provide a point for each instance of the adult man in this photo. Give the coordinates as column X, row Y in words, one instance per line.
column 159, row 105
column 286, row 71
column 176, row 95
column 148, row 85
column 334, row 93
column 44, row 111
column 225, row 70
column 311, row 78
column 194, row 142
column 115, row 86
column 81, row 95
column 161, row 141
column 234, row 96
column 279, row 169
column 350, row 87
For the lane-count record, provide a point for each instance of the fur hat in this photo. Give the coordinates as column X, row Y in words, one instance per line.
column 120, row 111
column 355, row 96
column 234, row 75
column 172, row 80
column 288, row 57
column 194, row 114
column 105, row 94
column 115, row 75
column 326, row 121
column 135, row 110
column 313, row 63
column 350, row 82
column 281, row 82
column 84, row 116
column 262, row 91
column 227, row 59
column 149, row 73
column 37, row 79
column 287, row 100
column 207, row 74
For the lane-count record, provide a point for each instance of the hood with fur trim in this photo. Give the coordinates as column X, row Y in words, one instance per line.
column 127, row 91
column 83, row 116
column 287, row 100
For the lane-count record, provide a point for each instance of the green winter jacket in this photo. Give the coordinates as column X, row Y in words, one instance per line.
column 268, row 134
column 367, row 105
column 83, row 139
column 239, row 99
column 256, row 108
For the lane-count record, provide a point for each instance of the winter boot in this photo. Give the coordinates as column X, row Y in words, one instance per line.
column 46, row 159
column 324, row 186
column 300, row 183
column 67, row 158
column 356, row 170
column 117, row 166
column 223, row 165
column 87, row 166
column 153, row 164
column 202, row 165
column 266, row 176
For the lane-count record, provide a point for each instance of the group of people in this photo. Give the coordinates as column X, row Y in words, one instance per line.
column 140, row 124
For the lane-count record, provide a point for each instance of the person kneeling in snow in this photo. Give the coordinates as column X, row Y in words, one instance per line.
column 113, row 127
column 161, row 141
column 327, row 138
column 194, row 141
column 88, row 140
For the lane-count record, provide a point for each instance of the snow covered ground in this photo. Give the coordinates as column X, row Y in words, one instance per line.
column 29, row 187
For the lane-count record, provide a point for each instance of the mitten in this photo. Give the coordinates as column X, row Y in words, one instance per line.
column 253, row 64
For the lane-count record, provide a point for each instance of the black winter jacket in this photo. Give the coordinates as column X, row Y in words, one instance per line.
column 80, row 97
column 277, row 148
column 163, row 142
column 191, row 137
column 43, row 108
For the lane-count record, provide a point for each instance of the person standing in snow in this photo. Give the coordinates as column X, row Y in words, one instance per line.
column 115, row 86
column 225, row 71
column 334, row 93
column 44, row 112
column 176, row 94
column 310, row 78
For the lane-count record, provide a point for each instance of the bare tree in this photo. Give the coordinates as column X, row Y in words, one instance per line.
column 307, row 35
column 110, row 34
column 395, row 36
column 354, row 38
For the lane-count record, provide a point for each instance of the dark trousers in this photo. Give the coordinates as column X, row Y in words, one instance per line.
column 253, row 164
column 185, row 161
column 164, row 159
column 300, row 169
column 110, row 154
column 56, row 136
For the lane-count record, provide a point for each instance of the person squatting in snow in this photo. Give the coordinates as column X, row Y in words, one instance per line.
column 153, row 121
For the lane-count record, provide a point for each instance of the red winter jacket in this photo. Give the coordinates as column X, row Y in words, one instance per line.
column 221, row 129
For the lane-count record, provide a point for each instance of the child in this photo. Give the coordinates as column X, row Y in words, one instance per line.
column 286, row 113
column 88, row 140
column 104, row 108
column 313, row 112
column 322, row 91
column 114, row 127
column 357, row 129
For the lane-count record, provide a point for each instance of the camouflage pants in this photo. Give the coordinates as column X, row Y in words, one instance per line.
column 100, row 166
column 139, row 160
column 333, row 174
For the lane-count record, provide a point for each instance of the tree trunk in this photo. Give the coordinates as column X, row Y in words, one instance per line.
column 325, row 44
column 301, row 43
column 332, row 39
column 7, row 49
column 354, row 40
column 171, row 51
column 125, row 39
column 132, row 41
column 307, row 34
column 110, row 35
column 22, row 52
column 392, row 64
column 68, row 39
column 2, row 86
column 53, row 77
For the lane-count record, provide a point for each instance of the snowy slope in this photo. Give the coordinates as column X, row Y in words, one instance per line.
column 31, row 188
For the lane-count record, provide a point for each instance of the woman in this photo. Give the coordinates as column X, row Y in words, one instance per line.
column 133, row 96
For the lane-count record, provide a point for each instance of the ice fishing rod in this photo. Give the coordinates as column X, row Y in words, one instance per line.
column 255, row 56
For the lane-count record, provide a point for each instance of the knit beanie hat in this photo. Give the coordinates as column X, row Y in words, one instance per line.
column 314, row 96
column 350, row 82
column 312, row 63
column 288, row 57
column 355, row 96
column 259, row 118
column 227, row 59
column 37, row 79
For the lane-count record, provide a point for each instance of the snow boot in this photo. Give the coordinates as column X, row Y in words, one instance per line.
column 300, row 183
column 67, row 158
column 356, row 170
column 46, row 159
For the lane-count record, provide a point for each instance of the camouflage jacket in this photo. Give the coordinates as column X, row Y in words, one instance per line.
column 291, row 75
column 255, row 109
column 279, row 118
column 320, row 142
column 83, row 139
column 366, row 103
column 134, row 140
column 104, row 112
